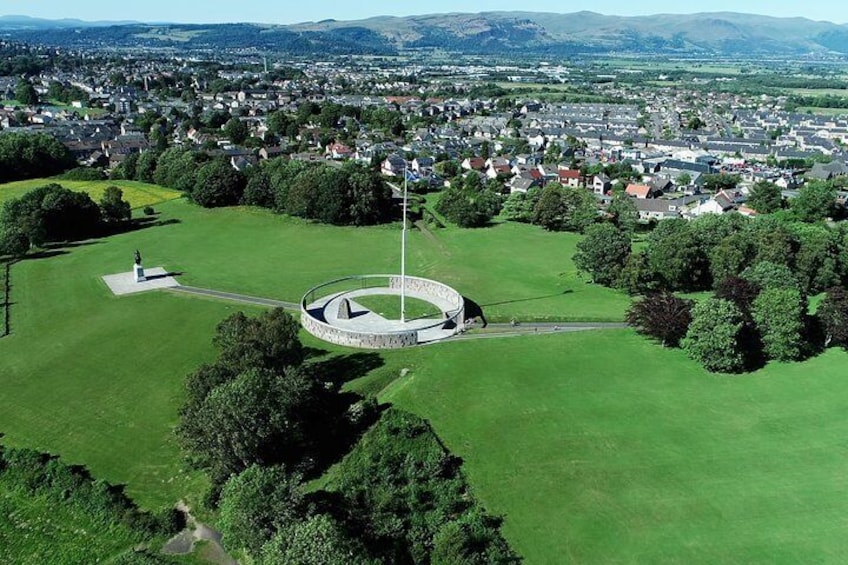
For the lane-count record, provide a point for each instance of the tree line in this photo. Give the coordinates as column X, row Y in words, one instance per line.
column 352, row 194
column 761, row 272
column 396, row 496
column 52, row 213
column 26, row 156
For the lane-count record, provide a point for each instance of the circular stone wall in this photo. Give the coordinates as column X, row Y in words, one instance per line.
column 330, row 312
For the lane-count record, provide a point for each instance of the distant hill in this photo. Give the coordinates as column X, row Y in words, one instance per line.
column 26, row 22
column 486, row 33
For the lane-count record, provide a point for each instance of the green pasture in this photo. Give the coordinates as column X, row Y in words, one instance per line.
column 138, row 194
column 602, row 447
column 594, row 446
column 822, row 111
column 510, row 270
column 98, row 379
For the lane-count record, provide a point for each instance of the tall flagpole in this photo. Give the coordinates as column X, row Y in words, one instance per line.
column 403, row 252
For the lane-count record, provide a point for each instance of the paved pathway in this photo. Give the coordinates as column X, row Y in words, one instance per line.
column 233, row 297
column 472, row 332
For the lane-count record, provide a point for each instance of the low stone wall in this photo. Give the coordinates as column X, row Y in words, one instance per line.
column 426, row 287
column 351, row 338
column 389, row 340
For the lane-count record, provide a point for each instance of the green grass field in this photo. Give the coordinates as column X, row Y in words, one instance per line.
column 511, row 270
column 597, row 447
column 822, row 111
column 138, row 194
column 98, row 379
column 602, row 447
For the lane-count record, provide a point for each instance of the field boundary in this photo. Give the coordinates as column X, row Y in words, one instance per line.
column 7, row 293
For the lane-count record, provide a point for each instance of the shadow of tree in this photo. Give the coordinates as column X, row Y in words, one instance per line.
column 340, row 369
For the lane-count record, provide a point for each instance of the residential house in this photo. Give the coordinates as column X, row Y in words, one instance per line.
column 423, row 166
column 640, row 191
column 474, row 164
column 601, row 184
column 393, row 165
column 569, row 177
column 338, row 151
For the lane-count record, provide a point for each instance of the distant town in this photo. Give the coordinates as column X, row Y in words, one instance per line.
column 412, row 117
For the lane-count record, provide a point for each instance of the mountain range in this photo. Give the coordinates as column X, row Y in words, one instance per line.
column 485, row 33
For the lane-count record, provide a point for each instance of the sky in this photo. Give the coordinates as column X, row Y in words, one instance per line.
column 294, row 11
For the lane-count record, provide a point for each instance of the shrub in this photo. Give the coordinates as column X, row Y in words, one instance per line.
column 661, row 316
column 713, row 336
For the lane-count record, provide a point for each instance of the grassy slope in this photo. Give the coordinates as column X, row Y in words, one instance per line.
column 640, row 456
column 35, row 529
column 138, row 194
column 634, row 456
column 97, row 378
column 511, row 270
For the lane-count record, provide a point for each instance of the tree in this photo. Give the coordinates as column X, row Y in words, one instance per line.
column 623, row 210
column 260, row 417
column 472, row 539
column 676, row 256
column 317, row 540
column 259, row 191
column 739, row 291
column 468, row 207
column 718, row 182
column 637, row 277
column 815, row 202
column 257, row 503
column 662, row 316
column 52, row 213
column 550, row 208
column 113, row 207
column 146, row 166
column 730, row 257
column 832, row 315
column 13, row 241
column 767, row 275
column 236, row 130
column 268, row 341
column 25, row 93
column 24, row 156
column 779, row 315
column 683, row 179
column 218, row 184
column 774, row 242
column 817, row 260
column 177, row 168
column 519, row 206
column 565, row 208
column 603, row 252
column 765, row 197
column 713, row 336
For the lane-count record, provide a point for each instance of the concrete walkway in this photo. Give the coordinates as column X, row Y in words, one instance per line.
column 368, row 318
column 233, row 297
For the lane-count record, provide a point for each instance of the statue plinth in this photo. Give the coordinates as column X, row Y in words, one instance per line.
column 138, row 273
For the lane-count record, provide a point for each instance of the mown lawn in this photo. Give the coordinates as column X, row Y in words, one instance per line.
column 597, row 447
column 98, row 379
column 602, row 447
column 138, row 194
column 510, row 270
